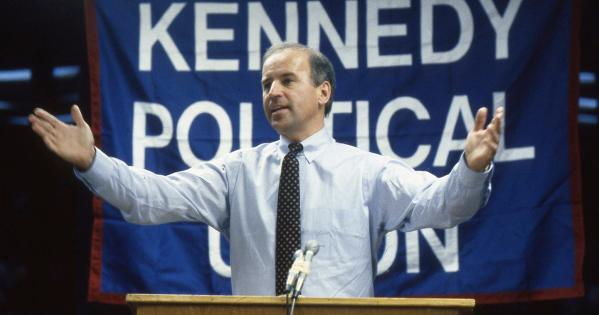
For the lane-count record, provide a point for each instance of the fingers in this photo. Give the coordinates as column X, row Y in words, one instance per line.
column 481, row 117
column 77, row 116
column 47, row 117
column 40, row 126
column 495, row 125
column 44, row 130
column 499, row 112
column 46, row 126
column 493, row 140
column 49, row 141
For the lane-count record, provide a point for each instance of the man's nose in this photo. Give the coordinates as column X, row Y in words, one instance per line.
column 275, row 89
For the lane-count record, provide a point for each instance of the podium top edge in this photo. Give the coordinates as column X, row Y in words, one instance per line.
column 141, row 299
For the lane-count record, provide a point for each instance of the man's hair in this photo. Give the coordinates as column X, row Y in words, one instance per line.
column 321, row 68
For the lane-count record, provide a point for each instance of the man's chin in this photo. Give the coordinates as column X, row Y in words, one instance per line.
column 281, row 126
column 278, row 126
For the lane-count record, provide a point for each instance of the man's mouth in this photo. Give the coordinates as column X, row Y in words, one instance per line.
column 275, row 109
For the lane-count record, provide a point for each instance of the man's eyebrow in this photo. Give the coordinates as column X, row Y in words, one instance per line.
column 283, row 75
column 288, row 74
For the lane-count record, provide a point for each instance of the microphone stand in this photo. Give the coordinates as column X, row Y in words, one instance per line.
column 293, row 299
column 303, row 269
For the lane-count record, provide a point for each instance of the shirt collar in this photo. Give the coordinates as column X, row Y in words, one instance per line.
column 313, row 145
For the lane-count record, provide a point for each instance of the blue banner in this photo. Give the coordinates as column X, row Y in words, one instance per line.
column 179, row 83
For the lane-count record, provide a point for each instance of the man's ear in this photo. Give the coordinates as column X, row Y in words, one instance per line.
column 324, row 93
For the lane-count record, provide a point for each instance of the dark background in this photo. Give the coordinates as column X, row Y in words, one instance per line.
column 45, row 213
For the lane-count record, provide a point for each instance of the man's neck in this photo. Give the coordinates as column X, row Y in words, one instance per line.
column 302, row 135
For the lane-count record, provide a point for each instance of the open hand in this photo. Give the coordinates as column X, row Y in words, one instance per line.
column 481, row 144
column 73, row 143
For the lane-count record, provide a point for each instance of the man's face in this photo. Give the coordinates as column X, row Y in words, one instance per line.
column 292, row 104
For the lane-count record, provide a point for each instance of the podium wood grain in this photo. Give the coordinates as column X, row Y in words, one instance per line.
column 159, row 304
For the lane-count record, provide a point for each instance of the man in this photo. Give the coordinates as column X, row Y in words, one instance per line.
column 304, row 186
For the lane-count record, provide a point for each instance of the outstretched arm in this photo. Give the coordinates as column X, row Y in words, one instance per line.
column 413, row 200
column 482, row 143
column 73, row 143
column 197, row 194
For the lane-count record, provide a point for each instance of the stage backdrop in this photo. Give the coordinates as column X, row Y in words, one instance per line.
column 178, row 83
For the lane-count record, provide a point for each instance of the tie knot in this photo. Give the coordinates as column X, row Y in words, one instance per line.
column 295, row 148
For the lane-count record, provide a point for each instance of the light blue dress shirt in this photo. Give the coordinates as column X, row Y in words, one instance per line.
column 349, row 199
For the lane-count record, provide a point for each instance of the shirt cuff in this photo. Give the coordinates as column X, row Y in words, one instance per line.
column 101, row 166
column 470, row 178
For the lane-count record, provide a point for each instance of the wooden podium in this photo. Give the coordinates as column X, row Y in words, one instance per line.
column 158, row 304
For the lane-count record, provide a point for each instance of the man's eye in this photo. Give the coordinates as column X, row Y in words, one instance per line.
column 266, row 86
column 287, row 81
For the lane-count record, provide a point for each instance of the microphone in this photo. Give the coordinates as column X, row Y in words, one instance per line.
column 298, row 259
column 311, row 251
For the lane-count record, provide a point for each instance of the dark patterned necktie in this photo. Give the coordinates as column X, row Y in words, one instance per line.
column 288, row 237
